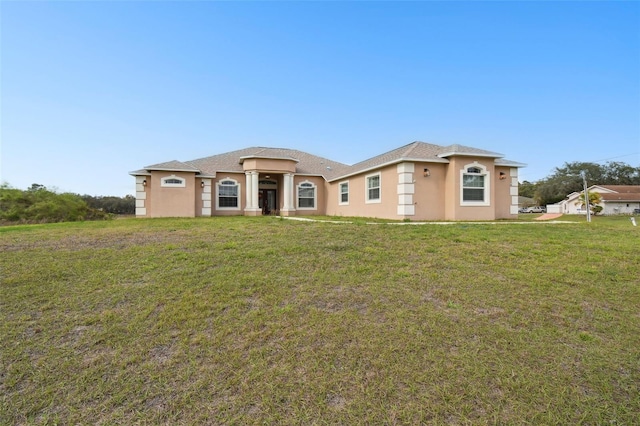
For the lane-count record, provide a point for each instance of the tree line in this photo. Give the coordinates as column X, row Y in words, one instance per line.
column 568, row 179
column 38, row 204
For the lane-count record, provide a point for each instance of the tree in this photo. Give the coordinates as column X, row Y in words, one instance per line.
column 617, row 173
column 527, row 189
column 111, row 204
column 568, row 179
column 594, row 199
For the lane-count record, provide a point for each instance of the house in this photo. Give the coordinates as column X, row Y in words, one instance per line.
column 418, row 181
column 616, row 199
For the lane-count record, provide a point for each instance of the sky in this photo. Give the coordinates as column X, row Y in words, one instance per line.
column 92, row 90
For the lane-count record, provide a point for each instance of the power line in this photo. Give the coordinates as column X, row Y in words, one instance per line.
column 613, row 158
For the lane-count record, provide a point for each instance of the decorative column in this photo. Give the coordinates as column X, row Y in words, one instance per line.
column 288, row 208
column 249, row 189
column 254, row 191
column 206, row 197
column 141, row 195
column 406, row 189
column 513, row 190
column 252, row 208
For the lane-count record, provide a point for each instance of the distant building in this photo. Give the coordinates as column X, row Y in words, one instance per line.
column 616, row 199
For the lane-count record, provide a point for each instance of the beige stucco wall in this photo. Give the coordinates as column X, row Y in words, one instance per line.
column 429, row 194
column 453, row 208
column 269, row 165
column 321, row 197
column 506, row 193
column 171, row 201
column 242, row 202
column 358, row 205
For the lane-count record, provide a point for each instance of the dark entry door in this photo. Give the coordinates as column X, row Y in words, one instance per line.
column 268, row 201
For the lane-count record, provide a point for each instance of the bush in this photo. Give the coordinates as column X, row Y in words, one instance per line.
column 38, row 204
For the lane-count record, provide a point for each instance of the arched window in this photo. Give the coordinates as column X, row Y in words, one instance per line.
column 228, row 195
column 475, row 185
column 307, row 196
column 173, row 181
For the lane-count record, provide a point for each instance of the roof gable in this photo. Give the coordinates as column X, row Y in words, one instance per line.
column 456, row 149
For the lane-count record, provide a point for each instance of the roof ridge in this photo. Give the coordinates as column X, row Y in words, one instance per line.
column 411, row 147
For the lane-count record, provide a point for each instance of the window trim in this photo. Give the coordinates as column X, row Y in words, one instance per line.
column 315, row 195
column 367, row 189
column 165, row 184
column 487, row 184
column 237, row 184
column 341, row 202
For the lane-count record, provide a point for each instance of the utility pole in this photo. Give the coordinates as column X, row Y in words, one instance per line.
column 586, row 195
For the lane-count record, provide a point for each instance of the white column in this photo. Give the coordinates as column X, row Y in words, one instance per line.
column 288, row 193
column 206, row 197
column 406, row 189
column 141, row 195
column 248, row 191
column 254, row 190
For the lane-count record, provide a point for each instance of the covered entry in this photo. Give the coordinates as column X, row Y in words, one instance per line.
column 268, row 196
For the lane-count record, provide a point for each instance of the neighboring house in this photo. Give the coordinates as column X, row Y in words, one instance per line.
column 418, row 181
column 616, row 199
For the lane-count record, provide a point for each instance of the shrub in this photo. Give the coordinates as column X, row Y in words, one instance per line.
column 38, row 204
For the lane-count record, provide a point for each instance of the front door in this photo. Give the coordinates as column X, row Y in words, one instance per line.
column 268, row 201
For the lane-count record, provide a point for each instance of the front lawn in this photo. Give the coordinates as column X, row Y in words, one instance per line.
column 270, row 321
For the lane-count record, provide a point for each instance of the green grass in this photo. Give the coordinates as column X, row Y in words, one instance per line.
column 263, row 320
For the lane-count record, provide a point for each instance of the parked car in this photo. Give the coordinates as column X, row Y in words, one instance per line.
column 534, row 209
column 636, row 211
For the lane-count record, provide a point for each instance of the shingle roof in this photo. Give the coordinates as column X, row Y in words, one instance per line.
column 174, row 165
column 622, row 193
column 310, row 164
column 422, row 151
column 306, row 163
column 625, row 196
column 414, row 151
column 622, row 189
column 456, row 149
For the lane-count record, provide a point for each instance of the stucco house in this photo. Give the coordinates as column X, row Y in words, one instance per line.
column 616, row 199
column 418, row 181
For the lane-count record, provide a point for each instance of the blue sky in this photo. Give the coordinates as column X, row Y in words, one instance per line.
column 93, row 90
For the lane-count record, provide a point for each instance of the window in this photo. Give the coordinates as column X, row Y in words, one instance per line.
column 475, row 185
column 473, row 188
column 344, row 193
column 173, row 181
column 228, row 194
column 373, row 188
column 307, row 196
